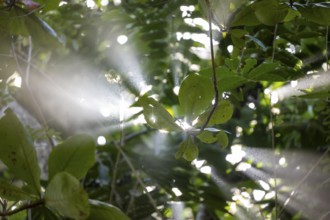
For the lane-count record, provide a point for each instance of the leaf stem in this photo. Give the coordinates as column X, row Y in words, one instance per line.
column 274, row 40
column 214, row 76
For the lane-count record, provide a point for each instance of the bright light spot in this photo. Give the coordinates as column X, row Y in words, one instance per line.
column 198, row 163
column 206, row 170
column 282, row 162
column 267, row 91
column 145, row 90
column 276, row 111
column 298, row 168
column 252, row 105
column 116, row 2
column 233, row 208
column 239, row 131
column 274, row 97
column 325, row 66
column 290, row 48
column 264, row 185
column 176, row 90
column 258, row 194
column 90, row 3
column 122, row 39
column 104, row 2
column 176, row 191
column 186, row 36
column 294, row 83
column 140, row 120
column 153, row 119
column 253, row 122
column 62, row 3
column 195, row 67
column 150, row 188
column 101, row 140
column 230, row 48
column 236, row 155
column 270, row 195
column 243, row 166
column 105, row 111
column 184, row 125
column 15, row 80
column 163, row 131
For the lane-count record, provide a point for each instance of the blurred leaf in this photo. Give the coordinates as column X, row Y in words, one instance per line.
column 316, row 12
column 207, row 137
column 195, row 95
column 245, row 16
column 17, row 151
column 104, row 211
column 223, row 139
column 65, row 195
column 269, row 12
column 76, row 155
column 262, row 70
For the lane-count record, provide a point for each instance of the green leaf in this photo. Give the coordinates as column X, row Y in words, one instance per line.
column 156, row 115
column 188, row 150
column 104, row 211
column 262, row 70
column 249, row 64
column 316, row 12
column 48, row 5
column 222, row 114
column 17, row 151
column 223, row 139
column 195, row 95
column 13, row 193
column 76, row 155
column 245, row 16
column 65, row 195
column 207, row 137
column 257, row 41
column 269, row 12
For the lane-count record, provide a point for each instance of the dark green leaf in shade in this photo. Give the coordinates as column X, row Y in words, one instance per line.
column 262, row 70
column 316, row 12
column 65, row 195
column 195, row 95
column 270, row 12
column 156, row 115
column 245, row 16
column 223, row 139
column 76, row 155
column 17, row 151
column 104, row 211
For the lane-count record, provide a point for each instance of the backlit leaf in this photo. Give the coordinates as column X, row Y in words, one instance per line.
column 104, row 211
column 13, row 193
column 316, row 12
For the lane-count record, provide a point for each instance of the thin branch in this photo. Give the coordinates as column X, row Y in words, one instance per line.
column 326, row 49
column 114, row 177
column 273, row 148
column 274, row 41
column 214, row 76
column 35, row 102
column 304, row 179
column 21, row 208
column 129, row 163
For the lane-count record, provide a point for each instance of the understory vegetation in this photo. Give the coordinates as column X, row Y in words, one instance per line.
column 164, row 109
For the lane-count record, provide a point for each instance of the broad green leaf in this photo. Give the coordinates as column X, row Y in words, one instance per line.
column 262, row 70
column 13, row 193
column 223, row 139
column 245, row 16
column 207, row 137
column 104, row 211
column 156, row 115
column 316, row 12
column 65, row 195
column 222, row 114
column 76, row 155
column 195, row 95
column 270, row 12
column 188, row 150
column 232, row 63
column 48, row 5
column 17, row 151
column 249, row 64
column 14, row 21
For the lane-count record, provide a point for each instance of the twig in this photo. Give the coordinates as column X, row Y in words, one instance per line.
column 21, row 208
column 326, row 49
column 273, row 148
column 129, row 163
column 274, row 40
column 303, row 179
column 214, row 76
column 26, row 83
